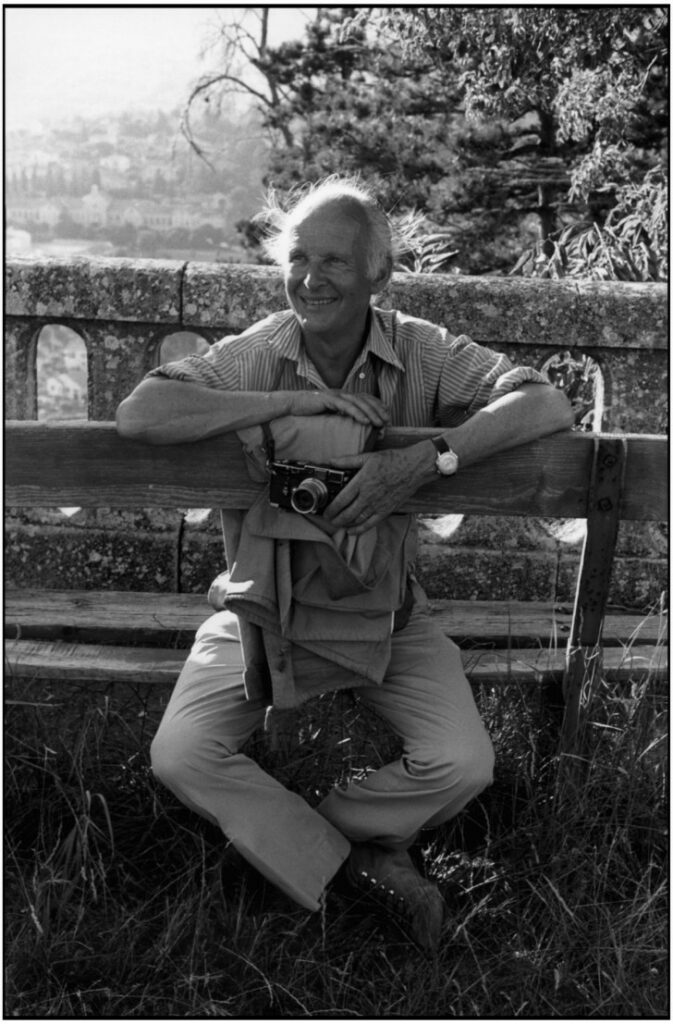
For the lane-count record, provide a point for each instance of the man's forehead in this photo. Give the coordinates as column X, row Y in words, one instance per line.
column 331, row 216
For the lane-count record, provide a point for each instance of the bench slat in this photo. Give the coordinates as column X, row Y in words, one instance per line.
column 28, row 659
column 67, row 614
column 89, row 465
column 119, row 611
column 524, row 621
column 42, row 659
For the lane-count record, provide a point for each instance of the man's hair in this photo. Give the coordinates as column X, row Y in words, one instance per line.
column 349, row 191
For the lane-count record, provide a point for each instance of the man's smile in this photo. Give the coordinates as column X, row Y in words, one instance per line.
column 316, row 301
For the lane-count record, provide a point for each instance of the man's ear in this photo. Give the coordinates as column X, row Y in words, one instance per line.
column 383, row 280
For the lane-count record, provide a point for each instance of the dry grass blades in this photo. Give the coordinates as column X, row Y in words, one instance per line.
column 120, row 903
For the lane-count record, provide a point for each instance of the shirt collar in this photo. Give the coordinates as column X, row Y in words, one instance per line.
column 380, row 337
column 287, row 341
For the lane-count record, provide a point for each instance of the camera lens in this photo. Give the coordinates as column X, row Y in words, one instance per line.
column 309, row 496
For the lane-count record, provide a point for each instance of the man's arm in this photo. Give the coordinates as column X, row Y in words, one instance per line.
column 529, row 412
column 389, row 478
column 165, row 411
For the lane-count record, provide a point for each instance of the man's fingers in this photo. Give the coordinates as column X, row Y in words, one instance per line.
column 358, row 496
column 362, row 408
column 344, row 503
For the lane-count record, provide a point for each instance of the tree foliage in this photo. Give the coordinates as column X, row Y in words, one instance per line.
column 332, row 102
column 631, row 245
column 474, row 124
column 595, row 80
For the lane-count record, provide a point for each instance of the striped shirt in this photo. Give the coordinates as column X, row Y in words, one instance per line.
column 425, row 376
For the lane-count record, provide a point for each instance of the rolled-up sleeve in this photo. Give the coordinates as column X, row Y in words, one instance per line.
column 473, row 376
column 216, row 369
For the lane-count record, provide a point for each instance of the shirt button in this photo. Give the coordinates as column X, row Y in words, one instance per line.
column 362, row 375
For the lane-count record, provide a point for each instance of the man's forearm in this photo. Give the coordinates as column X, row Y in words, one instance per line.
column 162, row 411
column 532, row 411
column 169, row 411
column 389, row 477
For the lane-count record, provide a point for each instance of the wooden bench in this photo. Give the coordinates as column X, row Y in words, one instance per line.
column 142, row 637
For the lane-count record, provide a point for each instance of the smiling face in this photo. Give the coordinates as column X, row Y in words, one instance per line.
column 326, row 274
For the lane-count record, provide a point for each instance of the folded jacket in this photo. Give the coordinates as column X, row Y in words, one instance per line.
column 331, row 593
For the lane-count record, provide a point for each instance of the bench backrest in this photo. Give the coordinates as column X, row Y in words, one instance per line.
column 88, row 464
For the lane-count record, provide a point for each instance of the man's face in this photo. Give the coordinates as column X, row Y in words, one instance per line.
column 326, row 275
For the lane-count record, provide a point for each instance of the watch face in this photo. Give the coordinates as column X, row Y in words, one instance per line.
column 447, row 463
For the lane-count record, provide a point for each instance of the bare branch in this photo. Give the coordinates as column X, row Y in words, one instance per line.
column 241, row 48
column 224, row 76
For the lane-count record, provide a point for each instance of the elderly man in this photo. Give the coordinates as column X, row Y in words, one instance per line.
column 334, row 354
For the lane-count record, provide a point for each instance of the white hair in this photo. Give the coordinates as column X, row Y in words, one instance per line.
column 337, row 189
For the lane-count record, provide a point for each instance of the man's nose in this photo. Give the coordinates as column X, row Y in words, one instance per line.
column 314, row 275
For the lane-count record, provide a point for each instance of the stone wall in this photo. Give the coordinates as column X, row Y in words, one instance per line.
column 124, row 309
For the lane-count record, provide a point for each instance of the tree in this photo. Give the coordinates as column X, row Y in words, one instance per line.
column 355, row 108
column 594, row 80
column 480, row 120
column 122, row 234
column 330, row 103
column 206, row 236
column 66, row 226
column 243, row 47
column 322, row 108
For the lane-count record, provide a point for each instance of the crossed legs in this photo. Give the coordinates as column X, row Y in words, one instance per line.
column 447, row 757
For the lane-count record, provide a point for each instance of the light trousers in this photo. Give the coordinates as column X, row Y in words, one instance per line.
column 447, row 756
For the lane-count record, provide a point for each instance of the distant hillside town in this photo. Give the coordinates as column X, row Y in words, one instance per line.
column 100, row 209
column 132, row 182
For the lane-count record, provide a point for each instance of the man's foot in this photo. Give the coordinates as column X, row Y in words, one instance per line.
column 389, row 878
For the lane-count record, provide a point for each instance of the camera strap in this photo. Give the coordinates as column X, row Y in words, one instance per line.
column 269, row 442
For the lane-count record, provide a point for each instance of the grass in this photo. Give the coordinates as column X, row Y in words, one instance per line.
column 121, row 903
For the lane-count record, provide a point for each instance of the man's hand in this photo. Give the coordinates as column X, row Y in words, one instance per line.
column 363, row 408
column 385, row 480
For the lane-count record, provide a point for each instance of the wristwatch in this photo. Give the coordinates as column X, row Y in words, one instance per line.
column 446, row 462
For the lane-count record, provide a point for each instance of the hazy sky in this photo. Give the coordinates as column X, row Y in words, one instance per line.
column 63, row 61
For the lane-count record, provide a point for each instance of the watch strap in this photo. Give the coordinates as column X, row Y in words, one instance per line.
column 441, row 444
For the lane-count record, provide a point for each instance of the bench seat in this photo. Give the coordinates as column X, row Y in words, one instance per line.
column 142, row 637
column 77, row 662
column 78, row 614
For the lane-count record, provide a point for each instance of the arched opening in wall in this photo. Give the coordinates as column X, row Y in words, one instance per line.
column 582, row 380
column 180, row 344
column 61, row 371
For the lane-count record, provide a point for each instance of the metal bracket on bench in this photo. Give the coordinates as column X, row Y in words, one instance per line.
column 584, row 654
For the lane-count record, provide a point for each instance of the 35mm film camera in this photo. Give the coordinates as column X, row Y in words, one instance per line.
column 304, row 488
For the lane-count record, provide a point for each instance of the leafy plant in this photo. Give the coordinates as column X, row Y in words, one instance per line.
column 632, row 244
column 420, row 248
column 579, row 377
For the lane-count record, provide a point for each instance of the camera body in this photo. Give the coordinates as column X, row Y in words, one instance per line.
column 304, row 488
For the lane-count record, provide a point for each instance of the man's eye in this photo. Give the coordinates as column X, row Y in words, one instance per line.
column 297, row 257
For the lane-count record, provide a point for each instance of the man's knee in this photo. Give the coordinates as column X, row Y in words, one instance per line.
column 459, row 764
column 174, row 753
column 476, row 764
